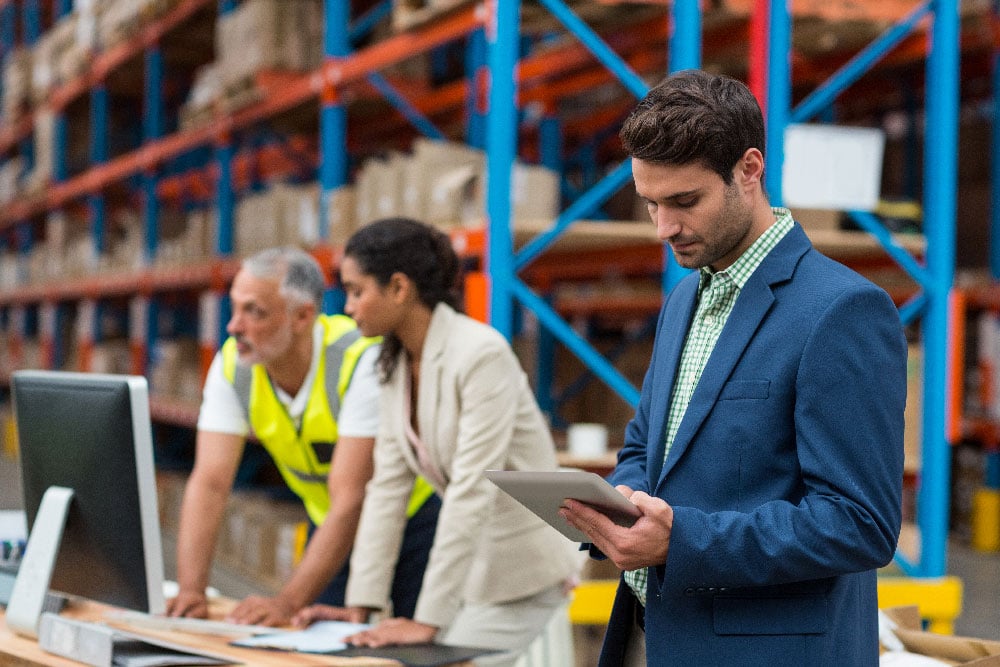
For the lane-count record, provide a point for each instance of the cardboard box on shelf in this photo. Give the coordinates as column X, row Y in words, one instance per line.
column 170, row 493
column 534, row 193
column 44, row 151
column 16, row 84
column 257, row 223
column 380, row 184
column 171, row 362
column 341, row 218
column 264, row 35
column 814, row 218
column 111, row 356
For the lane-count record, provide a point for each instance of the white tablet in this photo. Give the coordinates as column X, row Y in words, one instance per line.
column 543, row 492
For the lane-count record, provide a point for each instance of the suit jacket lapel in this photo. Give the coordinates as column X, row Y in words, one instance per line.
column 430, row 371
column 751, row 307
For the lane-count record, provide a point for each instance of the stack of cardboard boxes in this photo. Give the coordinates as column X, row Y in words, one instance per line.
column 258, row 36
column 261, row 539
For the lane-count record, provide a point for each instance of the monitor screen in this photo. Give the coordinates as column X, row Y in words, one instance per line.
column 90, row 433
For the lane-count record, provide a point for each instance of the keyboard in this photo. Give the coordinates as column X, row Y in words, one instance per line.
column 201, row 626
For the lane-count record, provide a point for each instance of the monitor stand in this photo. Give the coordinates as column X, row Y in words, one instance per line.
column 27, row 600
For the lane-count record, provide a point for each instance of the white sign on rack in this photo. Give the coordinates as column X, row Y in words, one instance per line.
column 832, row 167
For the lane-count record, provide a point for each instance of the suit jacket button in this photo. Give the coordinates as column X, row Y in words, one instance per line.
column 688, row 591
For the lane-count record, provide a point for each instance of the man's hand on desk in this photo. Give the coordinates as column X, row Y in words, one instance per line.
column 325, row 612
column 188, row 603
column 392, row 631
column 259, row 610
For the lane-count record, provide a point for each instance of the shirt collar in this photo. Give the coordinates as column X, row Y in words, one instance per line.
column 744, row 266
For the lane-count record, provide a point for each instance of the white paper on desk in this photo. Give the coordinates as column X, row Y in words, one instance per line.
column 322, row 637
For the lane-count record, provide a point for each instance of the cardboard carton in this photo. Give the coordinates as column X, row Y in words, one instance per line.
column 949, row 649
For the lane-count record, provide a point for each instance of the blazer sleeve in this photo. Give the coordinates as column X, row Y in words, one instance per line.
column 848, row 431
column 383, row 515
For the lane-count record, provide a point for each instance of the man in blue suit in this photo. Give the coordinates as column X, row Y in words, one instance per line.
column 766, row 454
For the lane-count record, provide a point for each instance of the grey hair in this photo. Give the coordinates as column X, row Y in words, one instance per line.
column 300, row 274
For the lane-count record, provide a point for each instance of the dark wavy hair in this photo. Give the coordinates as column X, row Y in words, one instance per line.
column 417, row 250
column 693, row 116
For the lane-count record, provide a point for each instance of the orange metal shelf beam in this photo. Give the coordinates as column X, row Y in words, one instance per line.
column 211, row 274
column 340, row 71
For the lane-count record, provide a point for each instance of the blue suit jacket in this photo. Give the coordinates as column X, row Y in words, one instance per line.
column 785, row 476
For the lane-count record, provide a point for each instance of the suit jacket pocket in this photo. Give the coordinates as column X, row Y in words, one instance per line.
column 745, row 389
column 797, row 615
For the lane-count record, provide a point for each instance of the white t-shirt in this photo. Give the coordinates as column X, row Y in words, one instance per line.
column 221, row 411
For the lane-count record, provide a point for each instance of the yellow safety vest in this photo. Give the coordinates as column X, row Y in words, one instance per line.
column 303, row 455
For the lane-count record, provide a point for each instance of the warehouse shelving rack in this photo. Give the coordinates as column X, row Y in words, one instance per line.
column 498, row 73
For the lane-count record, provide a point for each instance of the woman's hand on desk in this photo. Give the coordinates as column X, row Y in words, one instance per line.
column 325, row 612
column 394, row 631
column 188, row 603
column 259, row 610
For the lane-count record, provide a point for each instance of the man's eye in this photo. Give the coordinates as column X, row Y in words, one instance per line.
column 687, row 202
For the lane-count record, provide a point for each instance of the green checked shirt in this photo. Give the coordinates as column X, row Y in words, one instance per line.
column 717, row 294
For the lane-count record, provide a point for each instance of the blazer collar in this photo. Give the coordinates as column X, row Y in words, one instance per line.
column 431, row 364
column 436, row 342
column 751, row 307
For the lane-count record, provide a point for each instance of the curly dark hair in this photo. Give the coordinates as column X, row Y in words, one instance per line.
column 693, row 116
column 422, row 253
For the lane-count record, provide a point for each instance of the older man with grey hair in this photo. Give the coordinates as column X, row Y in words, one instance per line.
column 304, row 383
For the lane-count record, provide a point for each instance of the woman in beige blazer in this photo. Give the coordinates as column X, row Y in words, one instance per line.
column 455, row 402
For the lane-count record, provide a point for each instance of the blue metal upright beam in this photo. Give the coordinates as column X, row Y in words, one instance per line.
column 31, row 21
column 501, row 151
column 333, row 165
column 685, row 38
column 8, row 27
column 940, row 183
column 685, row 53
column 475, row 60
column 152, row 129
column 59, row 150
column 779, row 95
column 61, row 8
column 995, row 162
column 98, row 155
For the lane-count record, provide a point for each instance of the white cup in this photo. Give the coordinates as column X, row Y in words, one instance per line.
column 587, row 440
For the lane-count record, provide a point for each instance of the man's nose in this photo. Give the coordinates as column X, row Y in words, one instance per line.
column 667, row 224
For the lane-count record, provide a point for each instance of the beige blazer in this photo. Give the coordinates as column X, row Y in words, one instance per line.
column 475, row 412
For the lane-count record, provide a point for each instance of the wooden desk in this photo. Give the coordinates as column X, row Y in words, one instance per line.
column 16, row 651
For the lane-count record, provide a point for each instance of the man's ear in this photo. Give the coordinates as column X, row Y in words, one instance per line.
column 304, row 315
column 750, row 168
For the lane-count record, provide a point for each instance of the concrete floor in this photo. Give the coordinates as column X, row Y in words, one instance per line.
column 979, row 572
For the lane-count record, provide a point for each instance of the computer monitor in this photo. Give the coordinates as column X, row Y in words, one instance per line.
column 86, row 456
